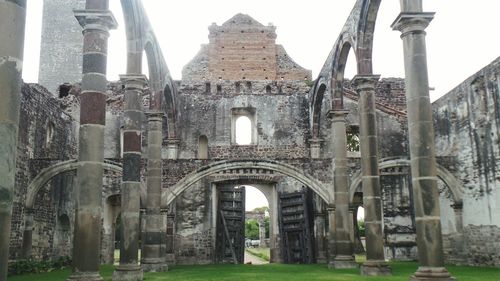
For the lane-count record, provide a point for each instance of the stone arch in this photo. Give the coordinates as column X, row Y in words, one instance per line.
column 338, row 68
column 450, row 181
column 140, row 37
column 357, row 34
column 316, row 109
column 171, row 193
column 48, row 173
column 366, row 29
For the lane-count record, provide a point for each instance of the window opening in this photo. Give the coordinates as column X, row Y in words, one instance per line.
column 243, row 133
column 203, row 147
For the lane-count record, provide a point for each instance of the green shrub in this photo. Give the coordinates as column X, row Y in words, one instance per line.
column 361, row 228
column 37, row 266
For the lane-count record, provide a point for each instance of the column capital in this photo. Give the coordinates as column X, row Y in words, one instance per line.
column 412, row 22
column 172, row 141
column 154, row 115
column 101, row 20
column 337, row 115
column 315, row 141
column 365, row 82
column 137, row 81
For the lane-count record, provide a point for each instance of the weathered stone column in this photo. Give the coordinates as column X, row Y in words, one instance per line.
column 375, row 261
column 262, row 230
column 315, row 147
column 352, row 211
column 129, row 268
column 153, row 260
column 172, row 148
column 27, row 234
column 12, row 21
column 343, row 250
column 412, row 23
column 169, row 236
column 96, row 21
column 458, row 211
column 319, row 229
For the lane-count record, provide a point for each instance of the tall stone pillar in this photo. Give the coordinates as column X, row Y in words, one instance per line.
column 129, row 268
column 27, row 233
column 412, row 23
column 169, row 236
column 96, row 21
column 343, row 250
column 153, row 258
column 262, row 229
column 12, row 21
column 319, row 231
column 172, row 148
column 375, row 261
column 315, row 147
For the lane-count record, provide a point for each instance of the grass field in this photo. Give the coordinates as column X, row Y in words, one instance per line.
column 263, row 253
column 277, row 272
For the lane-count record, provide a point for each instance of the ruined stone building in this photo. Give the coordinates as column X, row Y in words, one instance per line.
column 185, row 142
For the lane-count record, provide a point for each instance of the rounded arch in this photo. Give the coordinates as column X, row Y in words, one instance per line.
column 366, row 29
column 48, row 173
column 453, row 184
column 316, row 109
column 140, row 37
column 338, row 68
column 171, row 193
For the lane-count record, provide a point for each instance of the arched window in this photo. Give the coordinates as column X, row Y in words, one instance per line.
column 268, row 89
column 243, row 126
column 203, row 147
column 63, row 222
column 243, row 134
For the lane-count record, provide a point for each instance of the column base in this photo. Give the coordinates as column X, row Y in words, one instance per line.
column 128, row 273
column 425, row 273
column 84, row 276
column 376, row 268
column 170, row 258
column 154, row 265
column 343, row 262
column 275, row 255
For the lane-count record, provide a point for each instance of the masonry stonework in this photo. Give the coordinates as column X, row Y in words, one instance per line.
column 294, row 149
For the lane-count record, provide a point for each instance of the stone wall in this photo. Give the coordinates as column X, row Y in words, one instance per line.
column 467, row 126
column 46, row 136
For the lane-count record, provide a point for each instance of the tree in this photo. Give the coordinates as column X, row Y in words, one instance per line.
column 361, row 227
column 252, row 229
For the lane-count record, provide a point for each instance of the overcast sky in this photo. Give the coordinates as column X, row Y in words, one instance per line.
column 461, row 40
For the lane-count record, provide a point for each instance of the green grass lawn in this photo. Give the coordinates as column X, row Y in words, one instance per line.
column 263, row 253
column 277, row 272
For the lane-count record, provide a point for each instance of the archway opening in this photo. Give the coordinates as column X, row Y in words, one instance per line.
column 257, row 227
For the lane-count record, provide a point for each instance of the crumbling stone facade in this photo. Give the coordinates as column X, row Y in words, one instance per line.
column 467, row 122
column 293, row 148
